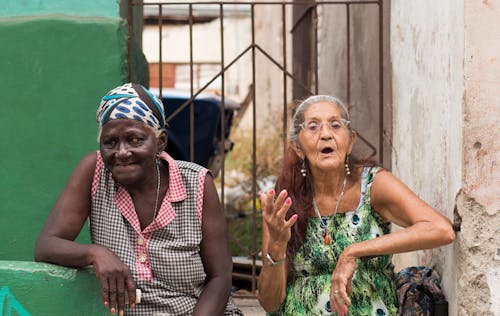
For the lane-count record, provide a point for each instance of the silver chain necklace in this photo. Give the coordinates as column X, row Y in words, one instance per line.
column 324, row 226
column 157, row 190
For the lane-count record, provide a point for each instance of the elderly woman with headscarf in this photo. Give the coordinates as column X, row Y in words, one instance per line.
column 326, row 236
column 156, row 224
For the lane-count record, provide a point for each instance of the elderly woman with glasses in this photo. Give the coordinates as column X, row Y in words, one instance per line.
column 326, row 238
column 156, row 224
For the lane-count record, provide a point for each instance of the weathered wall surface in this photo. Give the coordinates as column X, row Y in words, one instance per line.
column 478, row 204
column 446, row 76
column 55, row 69
column 427, row 68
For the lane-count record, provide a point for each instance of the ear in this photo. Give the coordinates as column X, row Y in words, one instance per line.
column 161, row 141
column 296, row 147
column 353, row 137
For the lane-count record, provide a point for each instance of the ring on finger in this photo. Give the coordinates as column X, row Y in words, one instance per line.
column 336, row 292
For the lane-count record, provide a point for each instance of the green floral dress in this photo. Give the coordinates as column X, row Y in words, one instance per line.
column 373, row 284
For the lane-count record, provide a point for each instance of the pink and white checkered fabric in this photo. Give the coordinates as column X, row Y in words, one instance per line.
column 164, row 258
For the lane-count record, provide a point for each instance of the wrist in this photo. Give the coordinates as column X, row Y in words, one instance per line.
column 274, row 262
column 276, row 250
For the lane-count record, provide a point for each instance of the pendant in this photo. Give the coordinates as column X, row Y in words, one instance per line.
column 326, row 238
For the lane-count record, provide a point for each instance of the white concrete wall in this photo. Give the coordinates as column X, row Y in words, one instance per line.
column 446, row 79
column 479, row 203
column 427, row 47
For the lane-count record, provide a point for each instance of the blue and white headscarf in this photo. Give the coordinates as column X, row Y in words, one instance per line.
column 131, row 101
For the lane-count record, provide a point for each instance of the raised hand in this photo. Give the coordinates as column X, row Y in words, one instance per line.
column 115, row 279
column 274, row 212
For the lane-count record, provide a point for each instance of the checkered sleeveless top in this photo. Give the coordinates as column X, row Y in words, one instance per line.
column 164, row 258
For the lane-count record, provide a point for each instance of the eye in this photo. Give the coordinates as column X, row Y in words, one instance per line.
column 136, row 141
column 336, row 124
column 313, row 126
column 108, row 143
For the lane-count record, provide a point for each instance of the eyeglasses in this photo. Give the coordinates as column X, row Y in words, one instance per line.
column 314, row 126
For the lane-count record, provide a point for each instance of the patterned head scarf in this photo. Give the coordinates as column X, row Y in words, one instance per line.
column 131, row 101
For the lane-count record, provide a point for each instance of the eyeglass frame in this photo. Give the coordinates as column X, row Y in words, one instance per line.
column 344, row 122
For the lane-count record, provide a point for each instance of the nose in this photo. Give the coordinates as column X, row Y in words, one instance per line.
column 122, row 150
column 325, row 132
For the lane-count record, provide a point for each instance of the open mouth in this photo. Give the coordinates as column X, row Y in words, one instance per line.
column 326, row 150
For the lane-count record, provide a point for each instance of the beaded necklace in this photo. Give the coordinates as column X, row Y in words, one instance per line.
column 324, row 224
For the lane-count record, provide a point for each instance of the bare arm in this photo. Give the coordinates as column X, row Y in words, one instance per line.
column 55, row 244
column 275, row 236
column 214, row 254
column 424, row 228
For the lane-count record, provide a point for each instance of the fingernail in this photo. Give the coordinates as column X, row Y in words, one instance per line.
column 112, row 310
column 132, row 306
column 288, row 201
column 120, row 313
column 105, row 304
column 271, row 191
column 295, row 216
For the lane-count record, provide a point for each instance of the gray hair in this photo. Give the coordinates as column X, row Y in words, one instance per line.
column 298, row 117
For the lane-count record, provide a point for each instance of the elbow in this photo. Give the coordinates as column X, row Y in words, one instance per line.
column 446, row 233
column 266, row 302
column 267, row 306
column 38, row 252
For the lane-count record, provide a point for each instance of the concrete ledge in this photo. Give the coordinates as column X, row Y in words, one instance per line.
column 30, row 288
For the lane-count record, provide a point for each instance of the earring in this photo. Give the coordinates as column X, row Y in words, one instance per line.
column 303, row 171
column 347, row 170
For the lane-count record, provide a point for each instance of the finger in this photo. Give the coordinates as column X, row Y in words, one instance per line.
column 337, row 302
column 112, row 294
column 120, row 294
column 281, row 213
column 289, row 223
column 129, row 282
column 267, row 202
column 278, row 204
column 104, row 290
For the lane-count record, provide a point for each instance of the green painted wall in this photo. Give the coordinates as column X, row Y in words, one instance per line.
column 28, row 288
column 54, row 69
column 94, row 8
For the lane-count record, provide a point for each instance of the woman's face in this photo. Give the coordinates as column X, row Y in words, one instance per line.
column 128, row 149
column 324, row 139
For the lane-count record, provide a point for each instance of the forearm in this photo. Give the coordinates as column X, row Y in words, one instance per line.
column 416, row 237
column 64, row 252
column 272, row 279
column 213, row 299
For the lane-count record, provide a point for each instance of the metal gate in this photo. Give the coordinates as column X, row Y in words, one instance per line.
column 300, row 75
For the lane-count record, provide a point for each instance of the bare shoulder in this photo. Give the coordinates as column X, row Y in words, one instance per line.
column 84, row 171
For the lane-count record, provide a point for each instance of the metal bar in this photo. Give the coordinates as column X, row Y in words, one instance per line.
column 300, row 2
column 191, row 106
column 254, row 155
column 285, row 90
column 280, row 67
column 348, row 55
column 315, row 48
column 160, row 35
column 180, row 108
column 381, row 81
column 222, row 145
column 302, row 16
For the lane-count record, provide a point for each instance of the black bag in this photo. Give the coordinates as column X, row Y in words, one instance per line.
column 419, row 293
